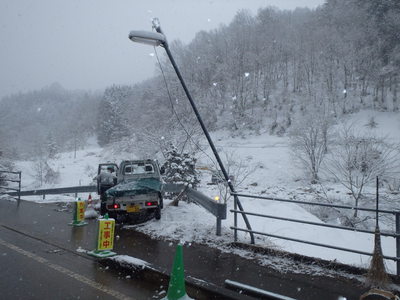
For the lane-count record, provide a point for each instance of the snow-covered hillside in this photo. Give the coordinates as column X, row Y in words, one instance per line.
column 266, row 168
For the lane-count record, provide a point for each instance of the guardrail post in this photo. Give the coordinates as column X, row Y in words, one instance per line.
column 19, row 188
column 235, row 217
column 398, row 242
column 218, row 226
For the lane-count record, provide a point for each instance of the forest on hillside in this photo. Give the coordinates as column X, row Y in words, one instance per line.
column 263, row 72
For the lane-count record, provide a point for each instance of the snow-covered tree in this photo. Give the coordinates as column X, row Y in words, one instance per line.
column 180, row 167
column 44, row 173
column 52, row 147
column 49, row 111
column 112, row 125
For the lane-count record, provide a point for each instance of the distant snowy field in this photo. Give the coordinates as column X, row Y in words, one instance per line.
column 273, row 173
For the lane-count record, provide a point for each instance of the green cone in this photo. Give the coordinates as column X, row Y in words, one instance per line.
column 176, row 288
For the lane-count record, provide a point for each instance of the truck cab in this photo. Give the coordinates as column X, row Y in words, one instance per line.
column 131, row 170
column 138, row 191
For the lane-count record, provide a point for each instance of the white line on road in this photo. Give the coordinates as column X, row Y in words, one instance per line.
column 67, row 272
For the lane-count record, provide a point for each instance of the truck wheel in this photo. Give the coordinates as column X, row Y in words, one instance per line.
column 157, row 213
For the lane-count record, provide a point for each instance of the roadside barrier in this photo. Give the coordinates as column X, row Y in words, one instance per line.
column 218, row 209
column 394, row 234
column 13, row 178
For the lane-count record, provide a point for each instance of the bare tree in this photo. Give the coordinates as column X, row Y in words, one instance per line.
column 41, row 165
column 358, row 159
column 238, row 171
column 309, row 139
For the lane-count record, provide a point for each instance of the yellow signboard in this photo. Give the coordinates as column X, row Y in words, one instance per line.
column 105, row 238
column 80, row 211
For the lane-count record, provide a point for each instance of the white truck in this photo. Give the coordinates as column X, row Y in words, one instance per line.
column 137, row 191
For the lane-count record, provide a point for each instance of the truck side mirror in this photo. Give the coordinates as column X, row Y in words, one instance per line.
column 162, row 170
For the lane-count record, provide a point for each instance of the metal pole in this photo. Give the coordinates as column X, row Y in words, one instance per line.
column 398, row 242
column 377, row 202
column 218, row 226
column 19, row 188
column 165, row 44
column 235, row 198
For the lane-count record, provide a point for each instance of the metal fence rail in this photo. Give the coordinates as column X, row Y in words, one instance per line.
column 58, row 191
column 318, row 204
column 216, row 208
column 395, row 234
column 6, row 189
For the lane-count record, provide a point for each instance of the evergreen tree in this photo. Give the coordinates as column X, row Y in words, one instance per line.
column 180, row 167
column 112, row 125
column 52, row 147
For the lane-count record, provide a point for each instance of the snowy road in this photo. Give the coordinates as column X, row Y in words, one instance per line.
column 36, row 262
column 32, row 269
column 45, row 229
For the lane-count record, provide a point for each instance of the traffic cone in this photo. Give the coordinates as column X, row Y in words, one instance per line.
column 176, row 287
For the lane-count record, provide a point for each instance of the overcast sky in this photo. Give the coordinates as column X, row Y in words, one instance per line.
column 83, row 44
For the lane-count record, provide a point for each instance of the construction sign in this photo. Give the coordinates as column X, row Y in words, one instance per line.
column 79, row 213
column 105, row 238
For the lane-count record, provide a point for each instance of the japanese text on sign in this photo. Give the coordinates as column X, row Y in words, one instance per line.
column 80, row 211
column 105, row 239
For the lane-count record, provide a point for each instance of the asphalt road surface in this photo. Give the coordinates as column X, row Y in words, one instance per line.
column 36, row 265
column 39, row 260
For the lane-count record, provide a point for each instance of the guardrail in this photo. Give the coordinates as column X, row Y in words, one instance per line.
column 395, row 234
column 217, row 209
column 6, row 189
column 57, row 191
column 214, row 207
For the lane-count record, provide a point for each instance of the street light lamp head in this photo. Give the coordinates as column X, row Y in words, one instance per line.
column 148, row 38
column 156, row 24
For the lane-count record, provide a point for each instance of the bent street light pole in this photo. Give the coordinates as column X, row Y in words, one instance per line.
column 158, row 39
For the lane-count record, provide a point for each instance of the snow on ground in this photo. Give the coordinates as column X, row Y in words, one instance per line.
column 130, row 260
column 189, row 223
column 271, row 172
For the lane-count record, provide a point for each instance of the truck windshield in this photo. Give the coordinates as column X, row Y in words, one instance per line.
column 139, row 169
